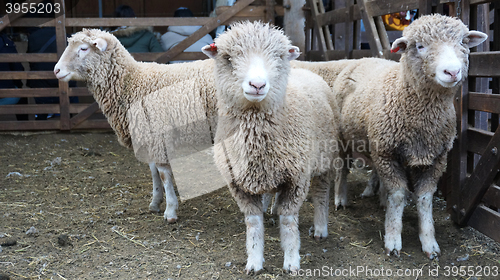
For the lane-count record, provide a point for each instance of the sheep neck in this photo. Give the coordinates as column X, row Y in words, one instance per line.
column 107, row 84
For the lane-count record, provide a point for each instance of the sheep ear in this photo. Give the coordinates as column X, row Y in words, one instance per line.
column 399, row 45
column 476, row 38
column 293, row 53
column 210, row 50
column 101, row 44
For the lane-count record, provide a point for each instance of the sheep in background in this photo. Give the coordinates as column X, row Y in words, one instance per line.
column 402, row 115
column 119, row 83
column 274, row 126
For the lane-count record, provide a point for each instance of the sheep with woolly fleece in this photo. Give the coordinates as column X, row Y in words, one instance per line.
column 402, row 115
column 272, row 127
column 119, row 84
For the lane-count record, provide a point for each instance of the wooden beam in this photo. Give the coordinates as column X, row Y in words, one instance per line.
column 492, row 197
column 269, row 11
column 384, row 7
column 33, row 75
column 85, row 114
column 150, row 21
column 29, row 125
column 28, row 57
column 371, row 29
column 486, row 221
column 205, row 29
column 61, row 46
column 29, row 92
column 484, row 64
column 480, row 180
column 478, row 140
column 79, row 91
column 484, row 102
column 30, row 109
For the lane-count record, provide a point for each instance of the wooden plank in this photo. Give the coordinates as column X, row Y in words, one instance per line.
column 371, row 29
column 19, row 75
column 480, row 180
column 28, row 22
column 30, row 109
column 269, row 11
column 83, row 115
column 318, row 29
column 79, row 91
column 485, row 64
column 486, row 221
column 93, row 124
column 77, row 108
column 8, row 18
column 151, row 21
column 384, row 7
column 459, row 152
column 29, row 125
column 28, row 57
column 478, row 140
column 28, row 92
column 484, row 102
column 492, row 197
column 61, row 46
column 209, row 26
column 424, row 7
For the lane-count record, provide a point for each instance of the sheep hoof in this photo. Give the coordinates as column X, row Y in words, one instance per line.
column 252, row 271
column 319, row 238
column 154, row 208
column 394, row 251
column 432, row 255
column 171, row 220
column 291, row 269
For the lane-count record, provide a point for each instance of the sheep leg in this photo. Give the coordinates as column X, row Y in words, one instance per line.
column 154, row 206
column 165, row 172
column 373, row 185
column 321, row 198
column 289, row 201
column 425, row 187
column 394, row 221
column 251, row 206
column 255, row 242
column 395, row 182
column 426, row 223
column 341, row 185
column 290, row 241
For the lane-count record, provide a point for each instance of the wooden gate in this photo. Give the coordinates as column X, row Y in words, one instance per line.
column 471, row 184
column 76, row 115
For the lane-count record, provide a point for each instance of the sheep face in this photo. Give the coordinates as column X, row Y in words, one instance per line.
column 252, row 63
column 437, row 47
column 80, row 57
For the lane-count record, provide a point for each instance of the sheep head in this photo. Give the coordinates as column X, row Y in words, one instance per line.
column 83, row 54
column 252, row 63
column 437, row 46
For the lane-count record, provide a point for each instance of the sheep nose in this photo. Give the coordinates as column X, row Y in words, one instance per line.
column 258, row 85
column 453, row 74
column 56, row 71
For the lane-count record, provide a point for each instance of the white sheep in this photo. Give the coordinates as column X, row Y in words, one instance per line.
column 402, row 115
column 119, row 84
column 274, row 126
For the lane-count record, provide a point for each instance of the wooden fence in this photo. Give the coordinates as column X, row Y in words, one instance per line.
column 74, row 116
column 471, row 184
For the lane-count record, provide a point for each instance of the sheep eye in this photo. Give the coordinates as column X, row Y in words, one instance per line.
column 420, row 47
column 84, row 49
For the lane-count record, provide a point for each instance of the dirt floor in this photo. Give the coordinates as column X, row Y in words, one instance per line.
column 75, row 206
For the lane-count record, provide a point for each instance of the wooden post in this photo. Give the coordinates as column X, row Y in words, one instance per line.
column 270, row 11
column 63, row 86
column 425, row 7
